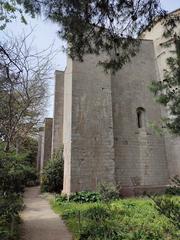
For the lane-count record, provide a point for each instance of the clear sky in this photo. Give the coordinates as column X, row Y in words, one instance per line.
column 45, row 33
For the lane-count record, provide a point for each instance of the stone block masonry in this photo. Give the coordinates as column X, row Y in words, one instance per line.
column 57, row 128
column 46, row 142
column 40, row 144
column 139, row 152
column 88, row 126
column 104, row 120
column 105, row 138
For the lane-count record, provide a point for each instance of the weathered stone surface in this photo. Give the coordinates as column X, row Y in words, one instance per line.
column 139, row 152
column 46, row 142
column 102, row 139
column 103, row 121
column 88, row 129
column 57, row 129
column 39, row 154
column 161, row 54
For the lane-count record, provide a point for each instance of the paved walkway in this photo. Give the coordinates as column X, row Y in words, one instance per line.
column 39, row 221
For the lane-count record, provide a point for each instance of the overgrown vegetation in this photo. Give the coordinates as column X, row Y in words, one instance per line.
column 174, row 188
column 169, row 207
column 103, row 215
column 16, row 172
column 52, row 174
column 127, row 219
column 93, row 27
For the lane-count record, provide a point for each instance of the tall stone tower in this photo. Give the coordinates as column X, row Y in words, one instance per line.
column 88, row 126
column 139, row 152
column 106, row 127
column 162, row 52
column 57, row 126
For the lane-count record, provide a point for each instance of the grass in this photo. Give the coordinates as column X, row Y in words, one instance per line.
column 127, row 219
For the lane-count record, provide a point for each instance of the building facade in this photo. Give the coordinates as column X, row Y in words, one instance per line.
column 162, row 53
column 104, row 123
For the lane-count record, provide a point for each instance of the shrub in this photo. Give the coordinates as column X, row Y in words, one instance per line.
column 15, row 172
column 52, row 174
column 174, row 189
column 97, row 213
column 61, row 198
column 108, row 192
column 85, row 196
column 106, row 230
column 169, row 207
column 10, row 205
column 30, row 147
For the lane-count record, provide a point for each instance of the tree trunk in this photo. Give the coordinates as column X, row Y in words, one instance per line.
column 7, row 146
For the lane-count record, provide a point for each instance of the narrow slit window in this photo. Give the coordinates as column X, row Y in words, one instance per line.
column 140, row 117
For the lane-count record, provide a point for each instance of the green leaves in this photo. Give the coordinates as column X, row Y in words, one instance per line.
column 52, row 174
column 102, row 27
column 10, row 10
column 169, row 207
column 125, row 219
column 15, row 173
column 167, row 92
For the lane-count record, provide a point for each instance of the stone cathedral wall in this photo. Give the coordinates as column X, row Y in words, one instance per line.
column 88, row 126
column 139, row 151
column 57, row 127
column 102, row 139
column 47, row 141
column 161, row 55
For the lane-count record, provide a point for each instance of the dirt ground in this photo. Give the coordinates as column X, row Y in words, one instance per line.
column 39, row 222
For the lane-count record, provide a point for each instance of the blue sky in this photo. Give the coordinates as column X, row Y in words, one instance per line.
column 45, row 33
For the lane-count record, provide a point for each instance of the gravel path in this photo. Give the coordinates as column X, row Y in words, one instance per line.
column 39, row 221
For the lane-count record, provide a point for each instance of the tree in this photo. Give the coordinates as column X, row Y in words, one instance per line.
column 167, row 92
column 10, row 9
column 112, row 27
column 96, row 26
column 23, row 89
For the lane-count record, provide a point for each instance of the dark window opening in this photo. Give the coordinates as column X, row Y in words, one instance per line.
column 140, row 117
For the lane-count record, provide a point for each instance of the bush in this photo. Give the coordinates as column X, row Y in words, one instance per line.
column 106, row 230
column 15, row 172
column 174, row 189
column 105, row 193
column 85, row 196
column 10, row 205
column 97, row 213
column 52, row 174
column 108, row 192
column 168, row 207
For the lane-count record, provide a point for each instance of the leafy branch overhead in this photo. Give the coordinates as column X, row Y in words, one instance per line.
column 110, row 28
column 96, row 26
column 103, row 26
column 167, row 92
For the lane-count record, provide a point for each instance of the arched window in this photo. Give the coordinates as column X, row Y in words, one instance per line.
column 140, row 117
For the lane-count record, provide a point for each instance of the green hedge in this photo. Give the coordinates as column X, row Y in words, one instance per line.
column 52, row 174
column 15, row 173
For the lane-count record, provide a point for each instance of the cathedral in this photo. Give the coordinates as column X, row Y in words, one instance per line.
column 104, row 122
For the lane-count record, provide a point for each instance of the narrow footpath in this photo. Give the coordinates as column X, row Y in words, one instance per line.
column 39, row 222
